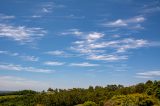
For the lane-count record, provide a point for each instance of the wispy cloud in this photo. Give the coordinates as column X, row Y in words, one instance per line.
column 54, row 63
column 94, row 36
column 72, row 32
column 148, row 74
column 129, row 23
column 130, row 43
column 29, row 58
column 36, row 16
column 151, row 9
column 72, row 16
column 84, row 64
column 46, row 8
column 21, row 34
column 59, row 53
column 107, row 57
column 18, row 83
column 94, row 47
column 6, row 17
column 8, row 53
column 56, row 52
column 24, row 57
column 13, row 67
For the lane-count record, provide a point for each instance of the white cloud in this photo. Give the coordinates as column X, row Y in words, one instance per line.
column 53, row 63
column 94, row 36
column 36, row 16
column 17, row 83
column 59, row 53
column 135, row 20
column 93, row 47
column 45, row 10
column 29, row 58
column 13, row 67
column 24, row 57
column 86, row 50
column 85, row 64
column 148, row 74
column 6, row 17
column 72, row 16
column 117, row 23
column 56, row 52
column 89, row 37
column 97, row 50
column 10, row 67
column 151, row 9
column 48, row 7
column 3, row 52
column 121, row 45
column 107, row 57
column 131, row 22
column 22, row 34
column 88, row 40
column 131, row 43
column 72, row 32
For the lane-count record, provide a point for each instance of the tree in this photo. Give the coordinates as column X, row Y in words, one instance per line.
column 91, row 88
column 140, row 88
column 89, row 103
column 149, row 83
column 50, row 90
column 149, row 91
column 158, row 93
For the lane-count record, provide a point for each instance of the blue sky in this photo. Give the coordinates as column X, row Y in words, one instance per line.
column 77, row 43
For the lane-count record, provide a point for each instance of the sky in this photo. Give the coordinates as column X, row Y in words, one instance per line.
column 78, row 43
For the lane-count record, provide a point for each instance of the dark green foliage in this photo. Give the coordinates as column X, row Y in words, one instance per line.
column 158, row 93
column 149, row 91
column 132, row 100
column 23, row 92
column 89, row 103
column 140, row 88
column 50, row 90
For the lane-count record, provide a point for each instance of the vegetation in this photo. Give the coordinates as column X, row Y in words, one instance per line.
column 142, row 94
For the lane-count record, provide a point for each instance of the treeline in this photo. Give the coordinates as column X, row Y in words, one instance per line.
column 23, row 92
column 142, row 94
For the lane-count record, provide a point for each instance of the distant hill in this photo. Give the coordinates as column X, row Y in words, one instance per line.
column 6, row 92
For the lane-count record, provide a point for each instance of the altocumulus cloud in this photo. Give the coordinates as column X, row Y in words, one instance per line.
column 53, row 63
column 13, row 67
column 94, row 47
column 23, row 57
column 21, row 34
column 131, row 22
column 84, row 64
column 148, row 74
column 6, row 17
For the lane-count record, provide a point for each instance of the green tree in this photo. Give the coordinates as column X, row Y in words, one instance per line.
column 50, row 90
column 89, row 103
column 158, row 93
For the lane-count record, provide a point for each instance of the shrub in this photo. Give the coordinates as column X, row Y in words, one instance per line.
column 89, row 103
